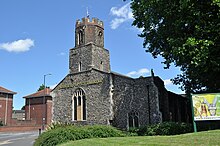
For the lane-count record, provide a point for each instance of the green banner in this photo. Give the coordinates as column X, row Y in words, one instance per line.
column 206, row 106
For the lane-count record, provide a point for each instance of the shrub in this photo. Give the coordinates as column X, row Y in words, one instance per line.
column 104, row 131
column 133, row 131
column 57, row 125
column 165, row 128
column 66, row 133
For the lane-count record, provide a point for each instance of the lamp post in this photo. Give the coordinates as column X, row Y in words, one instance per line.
column 44, row 104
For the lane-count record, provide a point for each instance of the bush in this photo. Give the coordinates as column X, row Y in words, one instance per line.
column 104, row 131
column 57, row 125
column 165, row 128
column 63, row 134
column 133, row 131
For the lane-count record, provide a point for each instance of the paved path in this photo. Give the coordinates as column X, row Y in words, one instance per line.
column 18, row 139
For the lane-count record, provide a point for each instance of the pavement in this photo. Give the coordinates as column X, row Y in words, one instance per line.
column 18, row 138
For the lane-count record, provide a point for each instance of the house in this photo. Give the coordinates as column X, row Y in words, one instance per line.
column 6, row 105
column 38, row 107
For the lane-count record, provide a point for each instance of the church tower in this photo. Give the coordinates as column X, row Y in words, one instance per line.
column 89, row 52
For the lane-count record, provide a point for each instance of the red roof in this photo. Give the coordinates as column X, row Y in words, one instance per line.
column 4, row 90
column 40, row 93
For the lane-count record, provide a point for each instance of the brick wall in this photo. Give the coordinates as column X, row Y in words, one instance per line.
column 15, row 122
column 2, row 109
column 19, row 128
column 49, row 112
column 6, row 103
column 36, row 112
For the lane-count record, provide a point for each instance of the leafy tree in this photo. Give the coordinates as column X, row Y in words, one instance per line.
column 42, row 87
column 185, row 33
column 23, row 107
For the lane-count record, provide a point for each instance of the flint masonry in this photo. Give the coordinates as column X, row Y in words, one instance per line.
column 92, row 94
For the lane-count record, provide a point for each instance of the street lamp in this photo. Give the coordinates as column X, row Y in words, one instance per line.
column 44, row 104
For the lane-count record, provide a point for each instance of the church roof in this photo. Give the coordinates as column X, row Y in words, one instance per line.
column 41, row 93
column 122, row 75
column 118, row 74
column 4, row 90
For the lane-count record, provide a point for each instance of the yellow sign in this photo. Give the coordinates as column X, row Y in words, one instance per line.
column 206, row 106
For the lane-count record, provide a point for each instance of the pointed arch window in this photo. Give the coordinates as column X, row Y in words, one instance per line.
column 79, row 105
column 80, row 37
column 75, row 108
column 79, row 100
column 133, row 119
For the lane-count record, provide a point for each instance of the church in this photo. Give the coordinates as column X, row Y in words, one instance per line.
column 93, row 94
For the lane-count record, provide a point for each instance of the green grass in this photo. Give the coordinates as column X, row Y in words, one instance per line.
column 201, row 138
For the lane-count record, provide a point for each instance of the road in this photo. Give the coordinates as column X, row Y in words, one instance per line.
column 18, row 139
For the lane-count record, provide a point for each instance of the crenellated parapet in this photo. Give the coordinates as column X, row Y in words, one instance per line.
column 89, row 31
column 86, row 21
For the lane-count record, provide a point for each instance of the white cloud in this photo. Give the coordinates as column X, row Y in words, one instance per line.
column 53, row 86
column 122, row 15
column 140, row 72
column 140, row 29
column 18, row 46
column 180, row 92
column 116, row 22
column 121, row 12
column 167, row 82
column 62, row 54
column 173, row 88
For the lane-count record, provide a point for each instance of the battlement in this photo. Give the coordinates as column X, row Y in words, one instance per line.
column 86, row 21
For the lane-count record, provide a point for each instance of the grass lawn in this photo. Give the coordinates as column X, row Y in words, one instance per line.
column 201, row 138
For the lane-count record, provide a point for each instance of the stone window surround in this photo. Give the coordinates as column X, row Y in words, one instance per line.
column 133, row 114
column 80, row 37
column 79, row 93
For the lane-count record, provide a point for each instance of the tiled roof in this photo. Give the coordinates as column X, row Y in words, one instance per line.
column 4, row 90
column 41, row 93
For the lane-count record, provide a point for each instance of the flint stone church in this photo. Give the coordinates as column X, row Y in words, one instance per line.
column 92, row 94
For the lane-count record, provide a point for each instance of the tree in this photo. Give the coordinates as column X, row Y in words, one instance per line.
column 185, row 33
column 23, row 107
column 42, row 87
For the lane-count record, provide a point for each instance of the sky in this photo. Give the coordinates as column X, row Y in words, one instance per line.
column 35, row 38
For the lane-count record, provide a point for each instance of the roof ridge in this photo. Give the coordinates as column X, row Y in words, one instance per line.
column 4, row 90
column 43, row 92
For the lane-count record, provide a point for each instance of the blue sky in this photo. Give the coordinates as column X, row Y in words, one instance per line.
column 35, row 38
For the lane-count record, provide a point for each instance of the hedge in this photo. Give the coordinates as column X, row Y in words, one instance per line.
column 60, row 135
column 165, row 128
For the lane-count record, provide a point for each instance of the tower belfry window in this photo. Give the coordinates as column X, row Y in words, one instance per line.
column 100, row 33
column 80, row 37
